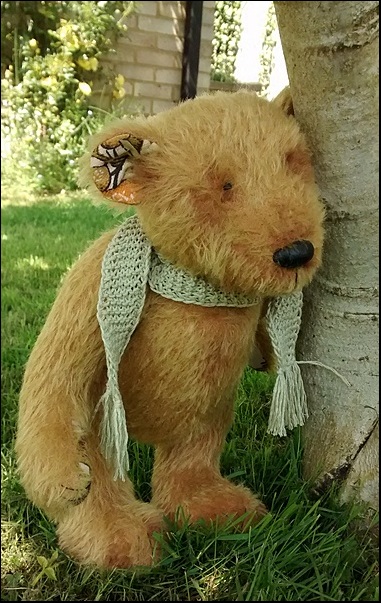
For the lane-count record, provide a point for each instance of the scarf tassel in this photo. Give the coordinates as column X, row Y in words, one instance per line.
column 289, row 402
column 114, row 435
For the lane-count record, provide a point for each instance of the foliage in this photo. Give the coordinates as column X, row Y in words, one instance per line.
column 267, row 53
column 227, row 34
column 304, row 550
column 52, row 52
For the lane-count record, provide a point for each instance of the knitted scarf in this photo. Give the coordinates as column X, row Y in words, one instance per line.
column 130, row 264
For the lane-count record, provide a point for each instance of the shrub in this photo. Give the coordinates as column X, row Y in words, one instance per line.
column 52, row 52
column 268, row 47
column 227, row 34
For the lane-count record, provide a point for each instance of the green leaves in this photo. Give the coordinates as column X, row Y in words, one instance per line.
column 48, row 568
column 268, row 46
column 51, row 55
column 227, row 33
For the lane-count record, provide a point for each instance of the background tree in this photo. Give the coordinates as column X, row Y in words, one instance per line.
column 331, row 52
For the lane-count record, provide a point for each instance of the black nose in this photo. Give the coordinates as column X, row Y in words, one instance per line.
column 294, row 255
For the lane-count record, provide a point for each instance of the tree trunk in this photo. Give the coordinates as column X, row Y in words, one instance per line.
column 331, row 53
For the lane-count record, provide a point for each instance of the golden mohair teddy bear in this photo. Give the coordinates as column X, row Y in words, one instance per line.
column 155, row 323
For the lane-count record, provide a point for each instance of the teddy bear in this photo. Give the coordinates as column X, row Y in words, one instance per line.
column 154, row 325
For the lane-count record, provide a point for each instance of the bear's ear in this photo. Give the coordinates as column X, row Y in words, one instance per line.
column 284, row 101
column 109, row 167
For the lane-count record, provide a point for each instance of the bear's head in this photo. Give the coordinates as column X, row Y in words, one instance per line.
column 224, row 187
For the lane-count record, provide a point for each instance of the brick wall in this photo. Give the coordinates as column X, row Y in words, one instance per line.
column 150, row 55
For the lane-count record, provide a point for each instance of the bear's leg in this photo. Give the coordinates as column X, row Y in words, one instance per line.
column 188, row 476
column 110, row 528
column 52, row 459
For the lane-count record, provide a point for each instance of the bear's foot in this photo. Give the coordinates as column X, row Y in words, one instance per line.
column 220, row 502
column 116, row 537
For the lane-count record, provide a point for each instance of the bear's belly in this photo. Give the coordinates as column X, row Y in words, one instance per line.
column 182, row 366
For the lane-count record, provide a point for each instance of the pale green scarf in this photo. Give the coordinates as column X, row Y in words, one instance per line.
column 129, row 265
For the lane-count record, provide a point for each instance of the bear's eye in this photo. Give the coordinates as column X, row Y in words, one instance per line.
column 227, row 186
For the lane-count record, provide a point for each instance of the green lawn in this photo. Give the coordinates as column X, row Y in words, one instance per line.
column 304, row 550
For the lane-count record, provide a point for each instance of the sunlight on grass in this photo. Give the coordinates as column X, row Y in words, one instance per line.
column 17, row 553
column 33, row 261
column 13, row 195
column 305, row 549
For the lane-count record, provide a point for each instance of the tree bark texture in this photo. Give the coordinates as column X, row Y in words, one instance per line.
column 331, row 53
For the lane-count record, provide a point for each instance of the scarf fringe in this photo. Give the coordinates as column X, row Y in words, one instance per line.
column 114, row 434
column 289, row 402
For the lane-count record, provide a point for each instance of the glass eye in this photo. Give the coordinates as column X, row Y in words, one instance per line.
column 227, row 186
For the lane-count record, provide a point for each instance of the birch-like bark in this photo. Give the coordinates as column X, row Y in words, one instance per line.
column 331, row 53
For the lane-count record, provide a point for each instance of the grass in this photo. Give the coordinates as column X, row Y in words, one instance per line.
column 306, row 548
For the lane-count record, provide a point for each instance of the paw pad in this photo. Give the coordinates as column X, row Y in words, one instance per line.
column 76, row 496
